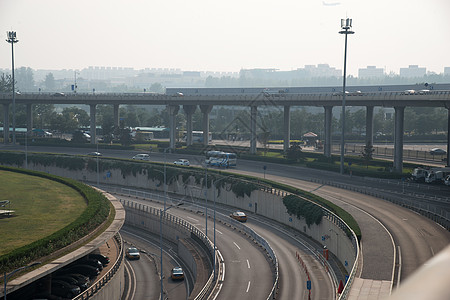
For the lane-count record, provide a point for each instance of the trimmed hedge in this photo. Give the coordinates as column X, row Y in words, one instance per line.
column 94, row 215
column 303, row 208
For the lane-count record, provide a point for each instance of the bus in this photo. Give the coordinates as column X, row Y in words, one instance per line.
column 197, row 136
column 221, row 159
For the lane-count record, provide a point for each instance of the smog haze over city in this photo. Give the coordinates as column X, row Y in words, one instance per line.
column 226, row 36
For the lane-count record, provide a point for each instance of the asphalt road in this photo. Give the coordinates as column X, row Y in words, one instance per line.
column 416, row 238
column 248, row 273
column 144, row 283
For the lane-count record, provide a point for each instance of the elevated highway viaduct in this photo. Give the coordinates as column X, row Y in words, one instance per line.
column 283, row 99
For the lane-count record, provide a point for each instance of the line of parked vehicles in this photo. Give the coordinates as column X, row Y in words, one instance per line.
column 432, row 175
column 68, row 282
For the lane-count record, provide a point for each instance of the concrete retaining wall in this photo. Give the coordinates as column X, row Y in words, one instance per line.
column 268, row 204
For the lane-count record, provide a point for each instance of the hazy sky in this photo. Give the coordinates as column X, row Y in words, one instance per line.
column 227, row 35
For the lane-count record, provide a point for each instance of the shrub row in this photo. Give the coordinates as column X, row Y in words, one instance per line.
column 97, row 211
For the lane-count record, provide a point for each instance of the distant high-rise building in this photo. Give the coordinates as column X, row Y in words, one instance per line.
column 447, row 71
column 371, row 72
column 413, row 71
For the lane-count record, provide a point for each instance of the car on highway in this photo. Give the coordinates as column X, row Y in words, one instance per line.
column 141, row 156
column 94, row 154
column 438, row 151
column 133, row 253
column 182, row 162
column 177, row 273
column 239, row 216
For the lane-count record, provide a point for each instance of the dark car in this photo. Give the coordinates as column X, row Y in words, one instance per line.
column 94, row 262
column 438, row 151
column 64, row 289
column 85, row 270
column 102, row 258
column 68, row 279
column 82, row 281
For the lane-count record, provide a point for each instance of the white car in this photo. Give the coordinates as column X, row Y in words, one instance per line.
column 182, row 162
column 142, row 156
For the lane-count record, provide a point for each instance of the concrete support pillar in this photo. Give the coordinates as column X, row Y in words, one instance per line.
column 205, row 109
column 6, row 123
column 93, row 127
column 173, row 111
column 448, row 137
column 287, row 128
column 398, row 138
column 327, row 129
column 253, row 114
column 29, row 117
column 116, row 115
column 189, row 110
column 369, row 125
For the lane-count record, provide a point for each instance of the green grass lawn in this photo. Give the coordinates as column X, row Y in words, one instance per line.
column 41, row 207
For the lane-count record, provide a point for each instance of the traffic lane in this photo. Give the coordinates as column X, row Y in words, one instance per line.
column 292, row 275
column 418, row 237
column 415, row 243
column 146, row 268
column 248, row 273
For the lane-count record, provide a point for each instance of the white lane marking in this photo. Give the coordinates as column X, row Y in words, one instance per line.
column 133, row 276
column 237, row 245
column 248, row 287
column 219, row 231
column 248, row 264
column 192, row 218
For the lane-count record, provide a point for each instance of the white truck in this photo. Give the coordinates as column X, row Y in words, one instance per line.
column 437, row 175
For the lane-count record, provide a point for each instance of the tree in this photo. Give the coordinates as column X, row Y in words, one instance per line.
column 367, row 153
column 49, row 82
column 295, row 152
column 157, row 88
column 5, row 83
column 25, row 80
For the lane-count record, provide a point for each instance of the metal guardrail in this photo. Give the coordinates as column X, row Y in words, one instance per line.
column 437, row 214
column 344, row 227
column 181, row 224
column 252, row 234
column 93, row 289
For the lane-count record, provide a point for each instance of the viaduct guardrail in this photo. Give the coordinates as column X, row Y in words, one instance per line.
column 93, row 289
column 186, row 225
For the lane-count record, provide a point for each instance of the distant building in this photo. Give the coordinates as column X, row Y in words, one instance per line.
column 371, row 72
column 447, row 71
column 413, row 71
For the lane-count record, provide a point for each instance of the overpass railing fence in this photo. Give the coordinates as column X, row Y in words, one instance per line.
column 388, row 152
column 239, row 226
column 93, row 289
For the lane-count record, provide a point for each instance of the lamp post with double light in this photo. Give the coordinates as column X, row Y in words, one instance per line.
column 346, row 26
column 12, row 40
column 6, row 277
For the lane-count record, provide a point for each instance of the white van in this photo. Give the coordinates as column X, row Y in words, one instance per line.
column 142, row 156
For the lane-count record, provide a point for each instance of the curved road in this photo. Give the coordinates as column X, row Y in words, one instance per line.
column 416, row 238
column 247, row 271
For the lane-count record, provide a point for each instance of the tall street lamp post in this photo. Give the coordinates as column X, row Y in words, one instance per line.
column 214, row 183
column 161, row 212
column 8, row 276
column 12, row 40
column 346, row 25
